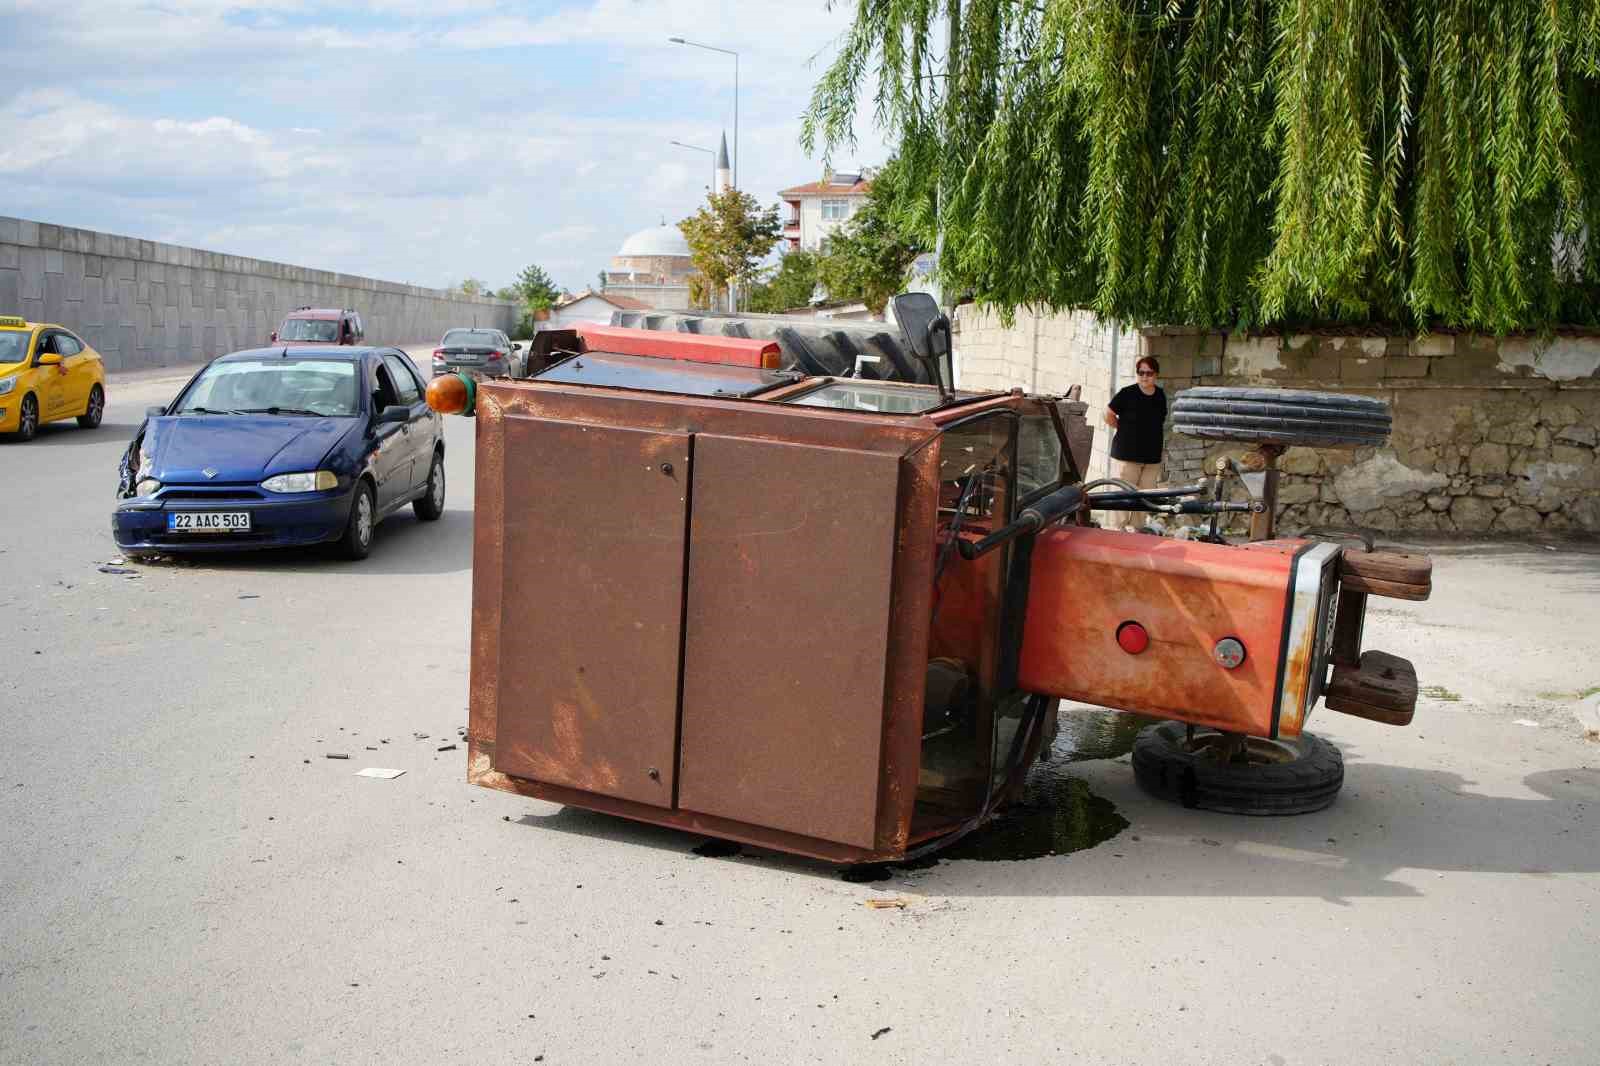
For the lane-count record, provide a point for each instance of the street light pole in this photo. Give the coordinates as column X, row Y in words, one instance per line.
column 707, row 151
column 735, row 55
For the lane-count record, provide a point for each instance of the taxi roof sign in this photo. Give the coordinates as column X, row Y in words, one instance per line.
column 13, row 321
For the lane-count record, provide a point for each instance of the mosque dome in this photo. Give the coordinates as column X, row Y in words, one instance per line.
column 657, row 240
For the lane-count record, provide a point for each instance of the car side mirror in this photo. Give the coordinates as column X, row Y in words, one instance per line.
column 516, row 347
column 274, row 338
column 154, row 412
column 49, row 359
column 394, row 413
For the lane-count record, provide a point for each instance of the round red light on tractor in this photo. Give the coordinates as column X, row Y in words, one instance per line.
column 1132, row 638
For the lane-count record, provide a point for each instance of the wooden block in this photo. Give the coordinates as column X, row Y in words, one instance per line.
column 1397, row 567
column 1394, row 590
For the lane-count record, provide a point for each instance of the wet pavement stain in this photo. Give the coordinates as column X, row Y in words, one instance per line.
column 1057, row 815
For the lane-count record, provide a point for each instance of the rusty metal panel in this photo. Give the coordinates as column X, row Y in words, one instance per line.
column 1187, row 595
column 590, row 606
column 791, row 561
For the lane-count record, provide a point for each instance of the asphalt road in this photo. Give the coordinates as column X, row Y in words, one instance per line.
column 185, row 877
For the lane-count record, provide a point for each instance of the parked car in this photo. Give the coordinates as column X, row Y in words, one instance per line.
column 477, row 351
column 277, row 447
column 320, row 325
column 47, row 373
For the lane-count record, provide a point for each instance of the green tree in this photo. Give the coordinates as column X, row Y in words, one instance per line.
column 790, row 284
column 535, row 288
column 472, row 287
column 869, row 257
column 729, row 237
column 1223, row 162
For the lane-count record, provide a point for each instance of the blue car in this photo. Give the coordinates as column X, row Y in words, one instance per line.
column 278, row 447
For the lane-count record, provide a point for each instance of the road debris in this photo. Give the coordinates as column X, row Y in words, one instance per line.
column 1527, row 722
column 249, row 596
column 880, row 1032
column 886, row 904
column 121, row 571
column 446, row 747
column 381, row 772
column 335, row 755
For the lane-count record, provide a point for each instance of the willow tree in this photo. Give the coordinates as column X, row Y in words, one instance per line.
column 1239, row 162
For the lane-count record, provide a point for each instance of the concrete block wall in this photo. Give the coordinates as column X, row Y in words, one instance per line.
column 1491, row 435
column 1048, row 354
column 147, row 304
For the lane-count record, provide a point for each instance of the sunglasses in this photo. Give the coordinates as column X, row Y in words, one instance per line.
column 1146, row 373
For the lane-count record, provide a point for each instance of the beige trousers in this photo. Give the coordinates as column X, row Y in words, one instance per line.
column 1140, row 475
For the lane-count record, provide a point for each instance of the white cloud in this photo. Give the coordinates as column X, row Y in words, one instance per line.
column 358, row 138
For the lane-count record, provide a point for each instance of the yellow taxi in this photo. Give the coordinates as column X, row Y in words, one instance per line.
column 47, row 373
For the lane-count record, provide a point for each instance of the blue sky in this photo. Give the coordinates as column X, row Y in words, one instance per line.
column 410, row 140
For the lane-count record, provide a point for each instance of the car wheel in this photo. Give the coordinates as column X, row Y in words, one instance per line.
column 28, row 417
column 96, row 410
column 1267, row 777
column 1281, row 416
column 357, row 540
column 430, row 505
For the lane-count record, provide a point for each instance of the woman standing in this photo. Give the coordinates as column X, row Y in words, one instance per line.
column 1137, row 413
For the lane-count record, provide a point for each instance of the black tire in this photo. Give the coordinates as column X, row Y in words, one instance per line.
column 356, row 543
column 1282, row 416
column 1307, row 779
column 96, row 410
column 430, row 505
column 27, row 417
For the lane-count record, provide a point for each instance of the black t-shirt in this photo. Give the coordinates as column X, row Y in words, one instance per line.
column 1139, row 422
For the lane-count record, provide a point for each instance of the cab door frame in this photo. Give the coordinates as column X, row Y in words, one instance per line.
column 50, row 385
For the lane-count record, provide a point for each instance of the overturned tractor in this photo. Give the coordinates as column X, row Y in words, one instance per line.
column 835, row 613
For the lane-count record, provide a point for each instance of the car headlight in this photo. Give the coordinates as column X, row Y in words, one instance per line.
column 7, row 384
column 314, row 481
column 148, row 486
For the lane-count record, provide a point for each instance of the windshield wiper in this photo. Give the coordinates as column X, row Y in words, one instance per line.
column 206, row 411
column 278, row 411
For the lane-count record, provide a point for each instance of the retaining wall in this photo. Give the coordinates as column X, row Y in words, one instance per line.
column 1491, row 435
column 146, row 304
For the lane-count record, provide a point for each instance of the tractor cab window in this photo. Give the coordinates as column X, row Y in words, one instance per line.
column 1039, row 466
column 876, row 396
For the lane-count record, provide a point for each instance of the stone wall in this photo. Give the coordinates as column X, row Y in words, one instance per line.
column 146, row 304
column 1491, row 435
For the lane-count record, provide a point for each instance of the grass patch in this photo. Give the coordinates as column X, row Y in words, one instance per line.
column 1562, row 697
column 1439, row 692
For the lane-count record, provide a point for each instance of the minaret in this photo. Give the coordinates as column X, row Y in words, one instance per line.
column 724, row 171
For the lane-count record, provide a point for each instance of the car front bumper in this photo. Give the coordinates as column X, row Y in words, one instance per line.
column 140, row 524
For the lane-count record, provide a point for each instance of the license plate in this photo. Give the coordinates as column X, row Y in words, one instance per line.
column 208, row 522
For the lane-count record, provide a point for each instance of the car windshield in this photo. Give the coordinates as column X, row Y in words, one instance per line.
column 274, row 386
column 13, row 345
column 470, row 338
column 309, row 329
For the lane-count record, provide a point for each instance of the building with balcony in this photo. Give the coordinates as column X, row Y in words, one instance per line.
column 818, row 208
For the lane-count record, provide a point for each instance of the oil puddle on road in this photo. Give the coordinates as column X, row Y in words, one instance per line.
column 1057, row 815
